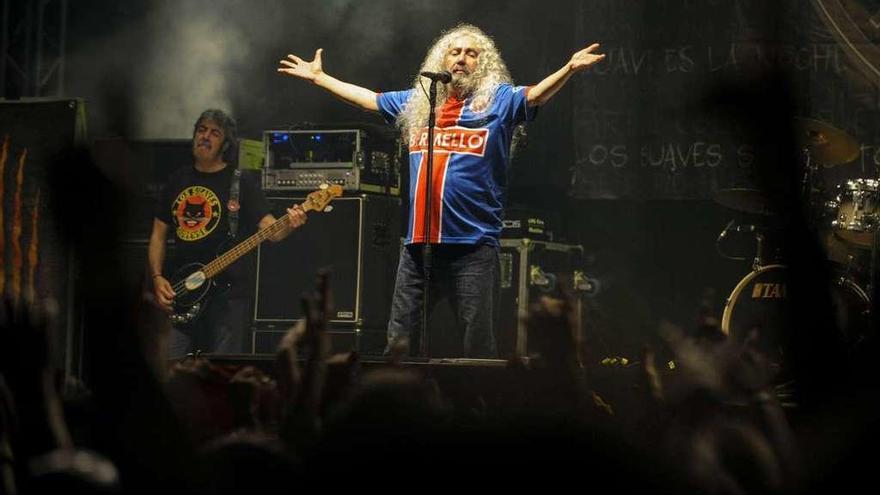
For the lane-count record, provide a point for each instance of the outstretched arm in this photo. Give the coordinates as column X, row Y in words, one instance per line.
column 313, row 71
column 544, row 90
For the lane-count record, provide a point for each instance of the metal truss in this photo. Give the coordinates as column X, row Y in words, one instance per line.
column 32, row 48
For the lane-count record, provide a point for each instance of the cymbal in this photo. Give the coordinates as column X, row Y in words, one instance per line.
column 828, row 145
column 745, row 200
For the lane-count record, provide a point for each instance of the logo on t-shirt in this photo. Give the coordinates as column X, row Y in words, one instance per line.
column 196, row 212
column 452, row 140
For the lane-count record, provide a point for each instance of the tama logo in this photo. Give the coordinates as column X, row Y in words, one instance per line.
column 768, row 291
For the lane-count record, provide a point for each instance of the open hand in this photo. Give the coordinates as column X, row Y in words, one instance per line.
column 585, row 58
column 297, row 67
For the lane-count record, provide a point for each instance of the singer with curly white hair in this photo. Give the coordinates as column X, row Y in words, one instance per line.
column 477, row 109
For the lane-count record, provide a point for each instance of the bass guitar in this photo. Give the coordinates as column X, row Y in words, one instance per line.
column 192, row 283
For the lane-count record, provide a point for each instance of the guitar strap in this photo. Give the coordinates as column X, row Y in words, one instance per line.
column 234, row 205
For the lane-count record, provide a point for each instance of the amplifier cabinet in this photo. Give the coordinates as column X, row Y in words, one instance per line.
column 357, row 241
column 530, row 269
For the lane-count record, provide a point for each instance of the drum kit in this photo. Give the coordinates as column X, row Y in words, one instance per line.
column 845, row 221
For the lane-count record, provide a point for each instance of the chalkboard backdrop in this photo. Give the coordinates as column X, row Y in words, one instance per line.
column 645, row 124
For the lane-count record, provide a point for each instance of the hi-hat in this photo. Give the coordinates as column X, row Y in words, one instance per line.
column 745, row 200
column 827, row 144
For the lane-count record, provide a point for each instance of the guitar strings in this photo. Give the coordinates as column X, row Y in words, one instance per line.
column 245, row 245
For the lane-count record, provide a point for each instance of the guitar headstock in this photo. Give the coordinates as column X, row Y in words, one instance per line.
column 318, row 200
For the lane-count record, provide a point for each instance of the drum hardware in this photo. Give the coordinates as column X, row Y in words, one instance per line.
column 849, row 267
column 822, row 145
column 856, row 211
column 759, row 301
column 746, row 200
column 873, row 281
column 826, row 144
column 759, row 251
column 760, row 246
column 856, row 206
column 808, row 183
column 724, row 233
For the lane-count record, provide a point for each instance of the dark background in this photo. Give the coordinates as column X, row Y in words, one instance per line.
column 625, row 159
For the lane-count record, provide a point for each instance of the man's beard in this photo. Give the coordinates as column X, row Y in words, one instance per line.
column 465, row 84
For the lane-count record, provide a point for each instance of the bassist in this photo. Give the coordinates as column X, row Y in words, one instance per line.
column 204, row 211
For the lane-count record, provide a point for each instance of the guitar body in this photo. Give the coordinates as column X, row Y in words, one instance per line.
column 191, row 288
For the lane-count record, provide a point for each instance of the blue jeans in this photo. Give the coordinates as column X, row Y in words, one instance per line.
column 467, row 274
column 219, row 329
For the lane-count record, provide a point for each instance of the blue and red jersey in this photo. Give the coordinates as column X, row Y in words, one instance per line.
column 471, row 156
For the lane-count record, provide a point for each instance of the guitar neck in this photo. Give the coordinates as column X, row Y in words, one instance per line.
column 224, row 260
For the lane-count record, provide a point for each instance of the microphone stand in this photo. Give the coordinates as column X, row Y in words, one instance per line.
column 426, row 248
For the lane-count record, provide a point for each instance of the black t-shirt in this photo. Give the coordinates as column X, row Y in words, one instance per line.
column 195, row 205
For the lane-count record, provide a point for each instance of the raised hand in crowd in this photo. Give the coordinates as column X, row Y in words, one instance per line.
column 713, row 383
column 556, row 377
column 254, row 399
column 728, row 370
column 553, row 332
column 302, row 389
column 24, row 366
column 36, row 448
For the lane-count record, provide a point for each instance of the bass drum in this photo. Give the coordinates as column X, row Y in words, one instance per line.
column 759, row 302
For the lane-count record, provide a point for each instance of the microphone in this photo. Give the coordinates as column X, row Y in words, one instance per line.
column 443, row 76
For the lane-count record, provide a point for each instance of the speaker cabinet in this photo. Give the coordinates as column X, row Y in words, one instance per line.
column 358, row 242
